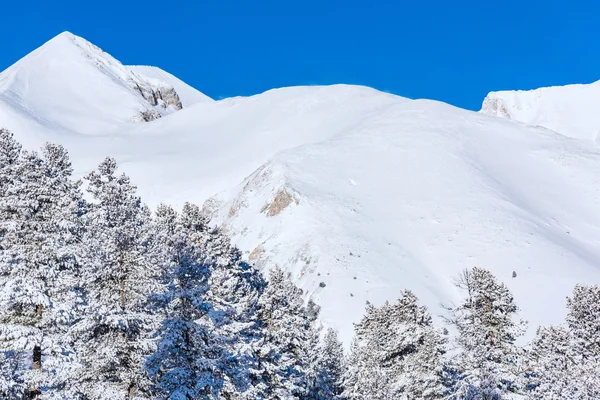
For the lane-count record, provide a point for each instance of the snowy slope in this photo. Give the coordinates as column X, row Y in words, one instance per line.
column 187, row 94
column 571, row 110
column 417, row 192
column 367, row 192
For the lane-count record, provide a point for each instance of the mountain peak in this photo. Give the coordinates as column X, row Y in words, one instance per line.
column 68, row 82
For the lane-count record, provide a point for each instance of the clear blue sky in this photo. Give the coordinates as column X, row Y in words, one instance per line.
column 454, row 51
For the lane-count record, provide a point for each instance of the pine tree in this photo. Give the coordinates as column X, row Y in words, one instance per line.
column 234, row 290
column 329, row 367
column 564, row 360
column 399, row 341
column 190, row 361
column 363, row 379
column 119, row 272
column 312, row 367
column 12, row 385
column 41, row 208
column 552, row 364
column 487, row 332
column 584, row 319
column 283, row 354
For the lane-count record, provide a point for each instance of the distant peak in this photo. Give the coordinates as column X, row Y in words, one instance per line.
column 65, row 34
column 62, row 37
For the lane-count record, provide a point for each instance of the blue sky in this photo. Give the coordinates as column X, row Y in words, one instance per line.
column 451, row 51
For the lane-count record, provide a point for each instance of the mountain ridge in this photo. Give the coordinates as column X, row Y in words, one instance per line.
column 569, row 109
column 365, row 192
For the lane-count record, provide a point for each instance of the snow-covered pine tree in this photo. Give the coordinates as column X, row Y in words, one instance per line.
column 487, row 332
column 352, row 389
column 400, row 340
column 119, row 271
column 286, row 330
column 12, row 385
column 552, row 364
column 565, row 360
column 583, row 319
column 190, row 362
column 362, row 378
column 312, row 367
column 234, row 290
column 41, row 209
column 312, row 363
column 10, row 153
column 327, row 366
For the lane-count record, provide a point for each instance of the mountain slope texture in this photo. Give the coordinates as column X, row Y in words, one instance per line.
column 356, row 193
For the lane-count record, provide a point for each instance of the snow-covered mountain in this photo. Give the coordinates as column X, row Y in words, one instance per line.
column 357, row 193
column 571, row 110
column 69, row 85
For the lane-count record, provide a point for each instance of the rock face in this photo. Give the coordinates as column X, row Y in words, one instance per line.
column 495, row 106
column 146, row 116
column 163, row 97
column 282, row 199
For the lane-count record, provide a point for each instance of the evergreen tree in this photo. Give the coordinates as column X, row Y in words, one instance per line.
column 41, row 207
column 190, row 362
column 584, row 319
column 487, row 332
column 234, row 290
column 363, row 379
column 114, row 333
column 329, row 357
column 399, row 341
column 565, row 360
column 283, row 354
column 12, row 385
column 312, row 367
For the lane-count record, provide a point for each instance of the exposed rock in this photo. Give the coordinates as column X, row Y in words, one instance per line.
column 494, row 106
column 281, row 201
column 146, row 116
column 158, row 96
column 256, row 254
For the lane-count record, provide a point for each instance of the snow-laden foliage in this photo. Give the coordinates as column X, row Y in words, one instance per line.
column 234, row 289
column 104, row 300
column 400, row 341
column 564, row 361
column 119, row 272
column 287, row 327
column 325, row 366
column 584, row 319
column 40, row 209
column 190, row 361
column 487, row 330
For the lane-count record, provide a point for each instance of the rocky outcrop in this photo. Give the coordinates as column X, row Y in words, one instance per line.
column 281, row 201
column 494, row 106
column 147, row 116
column 158, row 96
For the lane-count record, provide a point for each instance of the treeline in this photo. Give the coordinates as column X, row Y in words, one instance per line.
column 105, row 299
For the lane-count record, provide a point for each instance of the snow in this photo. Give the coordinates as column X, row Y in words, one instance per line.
column 373, row 193
column 68, row 85
column 436, row 190
column 570, row 110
